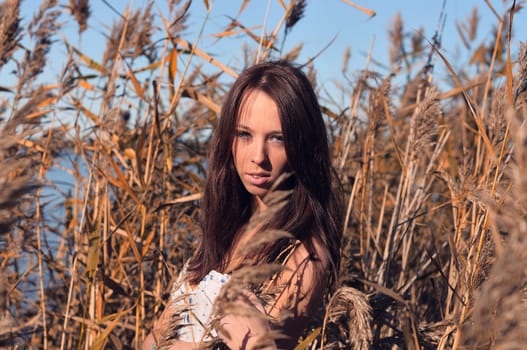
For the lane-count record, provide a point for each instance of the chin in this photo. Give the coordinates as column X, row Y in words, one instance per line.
column 257, row 192
column 260, row 194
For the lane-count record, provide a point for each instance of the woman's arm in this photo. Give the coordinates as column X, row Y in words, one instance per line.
column 247, row 327
column 301, row 288
column 236, row 330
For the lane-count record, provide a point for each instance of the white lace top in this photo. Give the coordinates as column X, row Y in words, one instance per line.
column 197, row 305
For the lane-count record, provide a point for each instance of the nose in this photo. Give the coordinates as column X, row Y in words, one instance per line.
column 259, row 152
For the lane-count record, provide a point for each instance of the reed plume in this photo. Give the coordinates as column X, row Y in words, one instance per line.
column 498, row 318
column 10, row 29
column 107, row 162
column 80, row 10
column 42, row 28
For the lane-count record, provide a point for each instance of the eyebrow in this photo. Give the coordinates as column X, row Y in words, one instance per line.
column 245, row 127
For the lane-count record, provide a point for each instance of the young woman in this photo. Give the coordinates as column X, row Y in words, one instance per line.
column 270, row 139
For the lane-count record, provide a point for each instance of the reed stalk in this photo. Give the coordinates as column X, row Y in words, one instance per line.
column 431, row 172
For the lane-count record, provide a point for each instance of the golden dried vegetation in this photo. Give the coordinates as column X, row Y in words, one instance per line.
column 102, row 172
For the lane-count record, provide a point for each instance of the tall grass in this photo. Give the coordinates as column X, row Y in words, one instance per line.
column 434, row 244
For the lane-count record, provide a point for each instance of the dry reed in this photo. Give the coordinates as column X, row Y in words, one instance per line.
column 434, row 247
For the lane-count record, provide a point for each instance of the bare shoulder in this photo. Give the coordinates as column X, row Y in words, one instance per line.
column 303, row 281
column 318, row 259
column 301, row 285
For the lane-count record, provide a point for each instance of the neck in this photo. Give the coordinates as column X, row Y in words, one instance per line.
column 257, row 205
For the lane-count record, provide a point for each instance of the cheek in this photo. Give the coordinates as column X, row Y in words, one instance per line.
column 238, row 154
column 281, row 161
column 235, row 154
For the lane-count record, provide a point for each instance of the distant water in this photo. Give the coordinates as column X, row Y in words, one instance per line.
column 58, row 187
column 58, row 182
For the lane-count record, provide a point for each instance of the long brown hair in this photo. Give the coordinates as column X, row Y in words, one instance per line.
column 312, row 210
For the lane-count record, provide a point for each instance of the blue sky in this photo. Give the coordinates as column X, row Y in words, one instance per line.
column 323, row 21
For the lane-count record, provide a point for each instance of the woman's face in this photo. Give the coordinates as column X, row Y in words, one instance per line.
column 258, row 147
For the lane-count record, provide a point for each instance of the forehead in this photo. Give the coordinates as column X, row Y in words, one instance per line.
column 257, row 106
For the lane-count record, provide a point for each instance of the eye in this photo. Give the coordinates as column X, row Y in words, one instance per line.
column 242, row 134
column 278, row 138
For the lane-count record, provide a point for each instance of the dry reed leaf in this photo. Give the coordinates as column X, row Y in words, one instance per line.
column 491, row 7
column 172, row 66
column 209, row 103
column 391, row 127
column 235, row 23
column 94, row 118
column 147, row 242
column 470, row 102
column 462, row 192
column 50, row 87
column 38, row 114
column 122, row 181
column 508, row 66
column 31, row 144
column 85, row 85
column 478, row 57
column 227, row 33
column 101, row 340
column 92, row 257
column 207, row 5
column 281, row 2
column 5, row 89
column 137, row 86
column 50, row 99
column 326, row 111
column 242, row 7
column 305, row 343
column 148, row 67
column 187, row 47
column 386, row 291
column 88, row 61
column 369, row 12
column 268, row 43
column 189, row 198
column 407, row 108
column 293, row 54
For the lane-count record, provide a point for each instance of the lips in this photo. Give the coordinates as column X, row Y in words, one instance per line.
column 258, row 179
